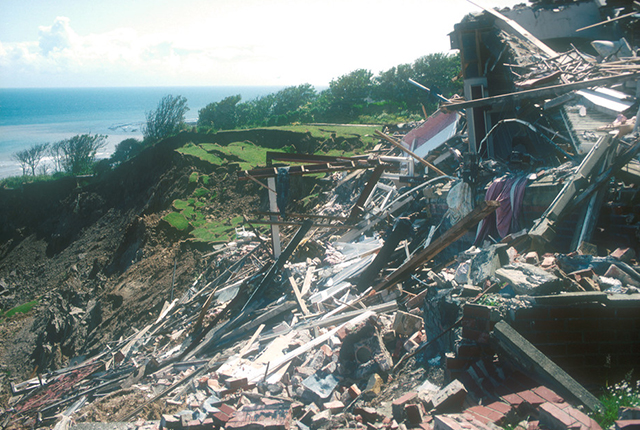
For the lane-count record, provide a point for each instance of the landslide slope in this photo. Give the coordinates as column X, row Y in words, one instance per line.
column 97, row 255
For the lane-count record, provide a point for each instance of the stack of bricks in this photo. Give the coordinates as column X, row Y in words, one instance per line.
column 477, row 323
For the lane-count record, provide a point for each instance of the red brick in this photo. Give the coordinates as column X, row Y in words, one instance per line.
column 491, row 415
column 354, row 391
column 555, row 418
column 513, row 399
column 627, row 425
column 531, row 397
column 501, row 407
column 235, row 384
column 533, row 425
column 227, row 409
column 220, row 418
column 547, row 394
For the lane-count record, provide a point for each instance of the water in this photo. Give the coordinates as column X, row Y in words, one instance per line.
column 38, row 115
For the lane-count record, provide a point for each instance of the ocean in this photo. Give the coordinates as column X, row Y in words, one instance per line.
column 38, row 115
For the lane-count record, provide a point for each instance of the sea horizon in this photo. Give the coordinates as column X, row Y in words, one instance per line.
column 31, row 116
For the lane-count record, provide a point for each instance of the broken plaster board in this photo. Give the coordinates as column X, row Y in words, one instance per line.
column 276, row 364
column 606, row 101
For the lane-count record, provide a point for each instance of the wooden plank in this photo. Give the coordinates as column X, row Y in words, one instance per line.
column 518, row 29
column 358, row 208
column 454, row 233
column 550, row 91
column 307, row 281
column 246, row 348
column 299, row 298
column 414, row 155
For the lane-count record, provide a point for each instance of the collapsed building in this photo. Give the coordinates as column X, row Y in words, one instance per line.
column 479, row 272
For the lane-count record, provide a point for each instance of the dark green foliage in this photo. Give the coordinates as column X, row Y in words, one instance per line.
column 126, row 149
column 358, row 97
column 220, row 115
column 167, row 119
column 79, row 152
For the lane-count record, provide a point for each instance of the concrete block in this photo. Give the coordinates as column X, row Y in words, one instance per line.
column 335, row 406
column 450, row 398
column 629, row 413
column 527, row 279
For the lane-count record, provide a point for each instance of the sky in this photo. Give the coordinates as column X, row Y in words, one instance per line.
column 115, row 43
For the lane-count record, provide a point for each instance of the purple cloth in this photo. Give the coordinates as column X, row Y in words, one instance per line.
column 509, row 192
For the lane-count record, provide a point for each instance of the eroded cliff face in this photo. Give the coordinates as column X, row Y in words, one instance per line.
column 97, row 255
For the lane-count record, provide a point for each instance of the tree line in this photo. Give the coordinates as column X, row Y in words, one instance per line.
column 357, row 97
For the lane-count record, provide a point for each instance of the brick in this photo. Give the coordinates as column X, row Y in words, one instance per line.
column 227, row 409
column 450, row 398
column 368, row 414
column 547, row 394
column 531, row 397
column 627, row 425
column 237, row 383
column 555, row 418
column 335, row 406
column 493, row 416
column 354, row 391
column 397, row 406
column 413, row 413
column 220, row 418
column 513, row 400
column 624, row 254
column 501, row 407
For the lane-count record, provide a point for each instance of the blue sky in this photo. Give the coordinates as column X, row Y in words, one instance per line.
column 70, row 43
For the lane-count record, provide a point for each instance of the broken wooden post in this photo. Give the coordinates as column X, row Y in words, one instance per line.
column 358, row 208
column 400, row 231
column 520, row 350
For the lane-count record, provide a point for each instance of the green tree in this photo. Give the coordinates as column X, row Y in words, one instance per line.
column 166, row 120
column 436, row 72
column 79, row 152
column 126, row 150
column 31, row 157
column 220, row 115
column 291, row 99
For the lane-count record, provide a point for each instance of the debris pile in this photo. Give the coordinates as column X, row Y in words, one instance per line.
column 476, row 273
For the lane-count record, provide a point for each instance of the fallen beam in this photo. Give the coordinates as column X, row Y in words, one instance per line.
column 550, row 91
column 532, row 361
column 358, row 208
column 454, row 233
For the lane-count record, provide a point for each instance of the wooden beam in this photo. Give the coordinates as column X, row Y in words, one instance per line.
column 454, row 233
column 358, row 208
column 553, row 90
column 299, row 298
column 257, row 221
column 399, row 145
